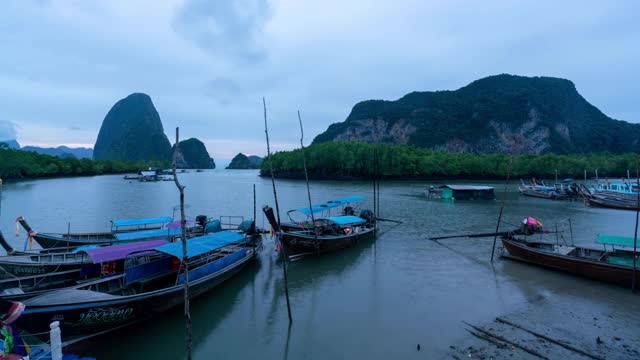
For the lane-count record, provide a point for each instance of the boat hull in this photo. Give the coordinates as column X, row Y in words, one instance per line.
column 301, row 245
column 82, row 320
column 613, row 203
column 16, row 270
column 615, row 274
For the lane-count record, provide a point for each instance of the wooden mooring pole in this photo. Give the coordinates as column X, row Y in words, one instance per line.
column 635, row 235
column 504, row 196
column 306, row 177
column 185, row 259
column 275, row 198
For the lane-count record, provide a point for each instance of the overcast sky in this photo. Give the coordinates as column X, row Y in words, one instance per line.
column 207, row 63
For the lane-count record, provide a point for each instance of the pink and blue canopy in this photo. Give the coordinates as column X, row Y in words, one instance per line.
column 118, row 252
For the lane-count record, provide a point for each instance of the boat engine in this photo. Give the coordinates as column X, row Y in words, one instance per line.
column 368, row 215
column 201, row 220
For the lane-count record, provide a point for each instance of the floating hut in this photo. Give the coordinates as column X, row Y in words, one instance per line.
column 467, row 192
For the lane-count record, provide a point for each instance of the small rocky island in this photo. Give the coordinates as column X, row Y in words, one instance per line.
column 242, row 161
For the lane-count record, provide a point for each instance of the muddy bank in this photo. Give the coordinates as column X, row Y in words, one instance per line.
column 554, row 328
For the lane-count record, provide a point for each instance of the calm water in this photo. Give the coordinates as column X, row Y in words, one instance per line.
column 375, row 301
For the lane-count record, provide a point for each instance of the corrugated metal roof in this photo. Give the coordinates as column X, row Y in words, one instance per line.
column 202, row 244
column 347, row 219
column 147, row 234
column 143, row 221
column 331, row 204
column 615, row 240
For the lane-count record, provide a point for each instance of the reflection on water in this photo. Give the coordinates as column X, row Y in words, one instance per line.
column 376, row 300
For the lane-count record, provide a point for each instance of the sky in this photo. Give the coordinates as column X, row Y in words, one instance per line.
column 207, row 64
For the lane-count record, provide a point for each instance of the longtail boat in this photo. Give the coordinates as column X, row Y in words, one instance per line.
column 150, row 227
column 88, row 310
column 328, row 233
column 610, row 199
column 614, row 265
column 101, row 263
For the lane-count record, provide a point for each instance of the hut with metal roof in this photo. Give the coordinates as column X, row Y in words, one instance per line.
column 467, row 192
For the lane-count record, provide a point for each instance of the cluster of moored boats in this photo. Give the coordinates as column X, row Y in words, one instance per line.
column 93, row 283
column 609, row 194
column 613, row 259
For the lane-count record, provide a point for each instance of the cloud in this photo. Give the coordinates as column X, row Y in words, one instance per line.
column 7, row 130
column 208, row 63
column 223, row 90
column 231, row 27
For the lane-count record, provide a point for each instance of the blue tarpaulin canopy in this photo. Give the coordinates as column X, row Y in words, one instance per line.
column 615, row 240
column 147, row 234
column 138, row 222
column 202, row 244
column 347, row 220
column 330, row 204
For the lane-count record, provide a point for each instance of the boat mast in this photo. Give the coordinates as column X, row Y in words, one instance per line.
column 275, row 198
column 306, row 176
column 185, row 262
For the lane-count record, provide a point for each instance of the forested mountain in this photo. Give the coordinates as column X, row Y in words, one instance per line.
column 132, row 131
column 497, row 114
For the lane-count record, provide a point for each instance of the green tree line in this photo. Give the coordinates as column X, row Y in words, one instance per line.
column 335, row 160
column 15, row 164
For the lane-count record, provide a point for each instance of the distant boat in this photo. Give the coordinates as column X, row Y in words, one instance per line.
column 612, row 266
column 144, row 290
column 329, row 233
column 559, row 191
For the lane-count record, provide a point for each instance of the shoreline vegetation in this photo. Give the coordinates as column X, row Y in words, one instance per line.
column 354, row 161
column 18, row 164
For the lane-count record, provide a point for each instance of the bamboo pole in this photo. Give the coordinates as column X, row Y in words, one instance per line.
column 571, row 231
column 255, row 230
column 0, row 197
column 635, row 235
column 275, row 198
column 185, row 260
column 373, row 177
column 504, row 196
column 306, row 177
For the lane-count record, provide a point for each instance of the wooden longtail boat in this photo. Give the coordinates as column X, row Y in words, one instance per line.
column 329, row 233
column 88, row 310
column 101, row 263
column 614, row 201
column 151, row 227
column 132, row 230
column 559, row 191
column 613, row 266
